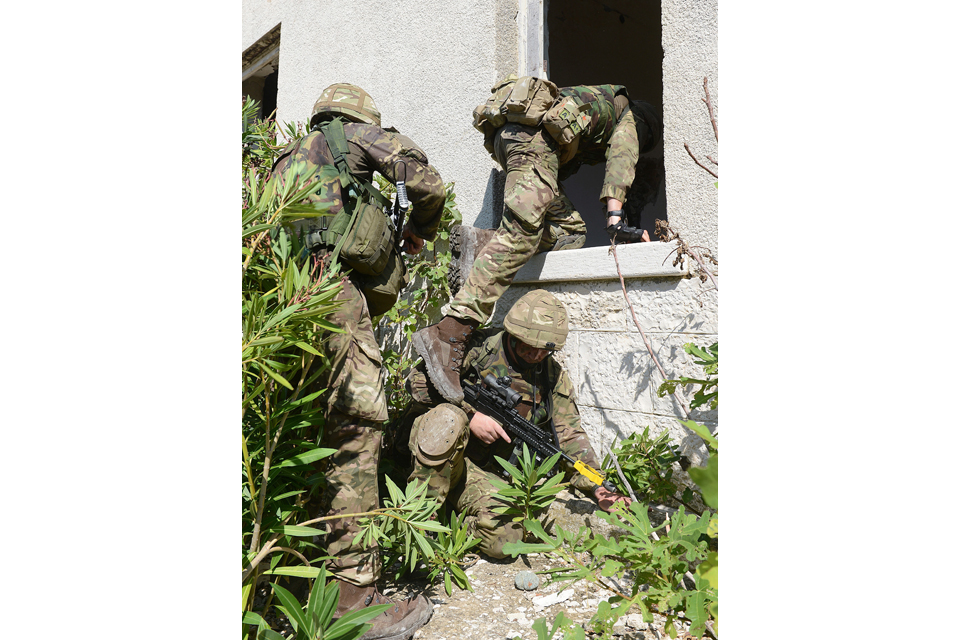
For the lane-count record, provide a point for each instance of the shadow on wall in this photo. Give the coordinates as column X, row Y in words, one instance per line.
column 491, row 211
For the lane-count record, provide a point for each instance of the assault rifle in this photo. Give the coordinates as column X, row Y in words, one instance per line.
column 496, row 399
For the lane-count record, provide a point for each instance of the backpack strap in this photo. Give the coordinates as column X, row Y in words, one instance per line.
column 351, row 188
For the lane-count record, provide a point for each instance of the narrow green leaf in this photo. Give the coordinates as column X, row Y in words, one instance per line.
column 291, row 607
column 276, row 376
column 252, row 617
column 307, row 457
column 297, row 571
column 296, row 530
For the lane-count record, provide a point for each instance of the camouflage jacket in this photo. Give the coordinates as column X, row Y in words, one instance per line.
column 371, row 148
column 487, row 354
column 613, row 136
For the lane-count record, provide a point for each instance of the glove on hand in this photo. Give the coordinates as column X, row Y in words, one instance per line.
column 624, row 233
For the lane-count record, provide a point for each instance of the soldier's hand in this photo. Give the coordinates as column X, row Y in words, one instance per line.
column 606, row 499
column 617, row 230
column 487, row 429
column 412, row 243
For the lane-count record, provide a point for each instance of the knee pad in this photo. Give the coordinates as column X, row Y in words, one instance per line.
column 439, row 432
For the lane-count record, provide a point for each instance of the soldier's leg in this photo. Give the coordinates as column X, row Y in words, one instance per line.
column 351, row 475
column 530, row 159
column 563, row 226
column 437, row 442
column 476, row 500
column 357, row 411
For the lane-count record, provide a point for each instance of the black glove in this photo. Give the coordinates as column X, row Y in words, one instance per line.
column 622, row 232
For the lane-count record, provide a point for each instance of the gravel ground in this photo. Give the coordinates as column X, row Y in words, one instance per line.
column 497, row 610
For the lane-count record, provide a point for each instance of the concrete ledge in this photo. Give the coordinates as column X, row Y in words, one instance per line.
column 640, row 260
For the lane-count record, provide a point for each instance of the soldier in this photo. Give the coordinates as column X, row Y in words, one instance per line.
column 345, row 154
column 453, row 446
column 604, row 125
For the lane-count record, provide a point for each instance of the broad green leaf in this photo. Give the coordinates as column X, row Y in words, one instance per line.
column 707, row 478
column 701, row 431
column 709, row 569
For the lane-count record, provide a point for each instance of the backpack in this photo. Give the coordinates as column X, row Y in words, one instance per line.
column 362, row 234
column 533, row 102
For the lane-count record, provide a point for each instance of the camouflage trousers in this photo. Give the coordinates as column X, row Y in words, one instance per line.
column 536, row 214
column 356, row 413
column 438, row 440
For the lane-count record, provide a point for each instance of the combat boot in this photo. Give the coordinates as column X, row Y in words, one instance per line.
column 397, row 623
column 443, row 347
column 571, row 241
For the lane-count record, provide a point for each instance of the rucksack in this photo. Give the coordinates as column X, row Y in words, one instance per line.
column 533, row 102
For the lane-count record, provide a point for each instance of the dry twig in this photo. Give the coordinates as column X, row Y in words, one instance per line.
column 646, row 342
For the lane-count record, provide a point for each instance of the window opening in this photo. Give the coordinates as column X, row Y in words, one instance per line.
column 261, row 72
column 632, row 56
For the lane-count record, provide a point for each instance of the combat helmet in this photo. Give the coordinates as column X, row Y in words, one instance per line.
column 347, row 100
column 539, row 320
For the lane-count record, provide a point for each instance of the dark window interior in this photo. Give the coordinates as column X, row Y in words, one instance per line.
column 611, row 42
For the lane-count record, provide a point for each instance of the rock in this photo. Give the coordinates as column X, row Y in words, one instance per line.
column 553, row 598
column 635, row 621
column 527, row 581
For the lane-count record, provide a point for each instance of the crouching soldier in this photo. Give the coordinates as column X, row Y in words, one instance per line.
column 453, row 446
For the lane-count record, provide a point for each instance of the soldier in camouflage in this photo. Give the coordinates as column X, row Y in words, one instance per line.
column 453, row 447
column 356, row 402
column 537, row 215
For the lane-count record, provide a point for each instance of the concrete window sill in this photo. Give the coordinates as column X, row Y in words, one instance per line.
column 640, row 260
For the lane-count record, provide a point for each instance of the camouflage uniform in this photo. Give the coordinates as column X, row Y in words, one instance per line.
column 537, row 212
column 356, row 403
column 459, row 468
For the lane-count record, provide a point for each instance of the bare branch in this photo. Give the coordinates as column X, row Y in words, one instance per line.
column 713, row 120
column 646, row 342
column 700, row 164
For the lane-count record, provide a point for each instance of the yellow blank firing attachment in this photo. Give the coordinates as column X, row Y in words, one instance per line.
column 588, row 471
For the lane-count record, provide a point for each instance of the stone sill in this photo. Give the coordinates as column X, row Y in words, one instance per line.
column 640, row 260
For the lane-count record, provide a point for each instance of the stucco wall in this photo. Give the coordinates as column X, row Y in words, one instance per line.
column 690, row 55
column 427, row 65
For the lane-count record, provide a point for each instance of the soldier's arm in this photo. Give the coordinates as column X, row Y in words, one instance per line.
column 396, row 157
column 623, row 151
column 573, row 439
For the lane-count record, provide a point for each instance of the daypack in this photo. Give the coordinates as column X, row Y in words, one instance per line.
column 362, row 235
column 531, row 101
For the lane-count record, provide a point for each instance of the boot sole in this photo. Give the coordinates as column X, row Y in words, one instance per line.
column 421, row 346
column 466, row 243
